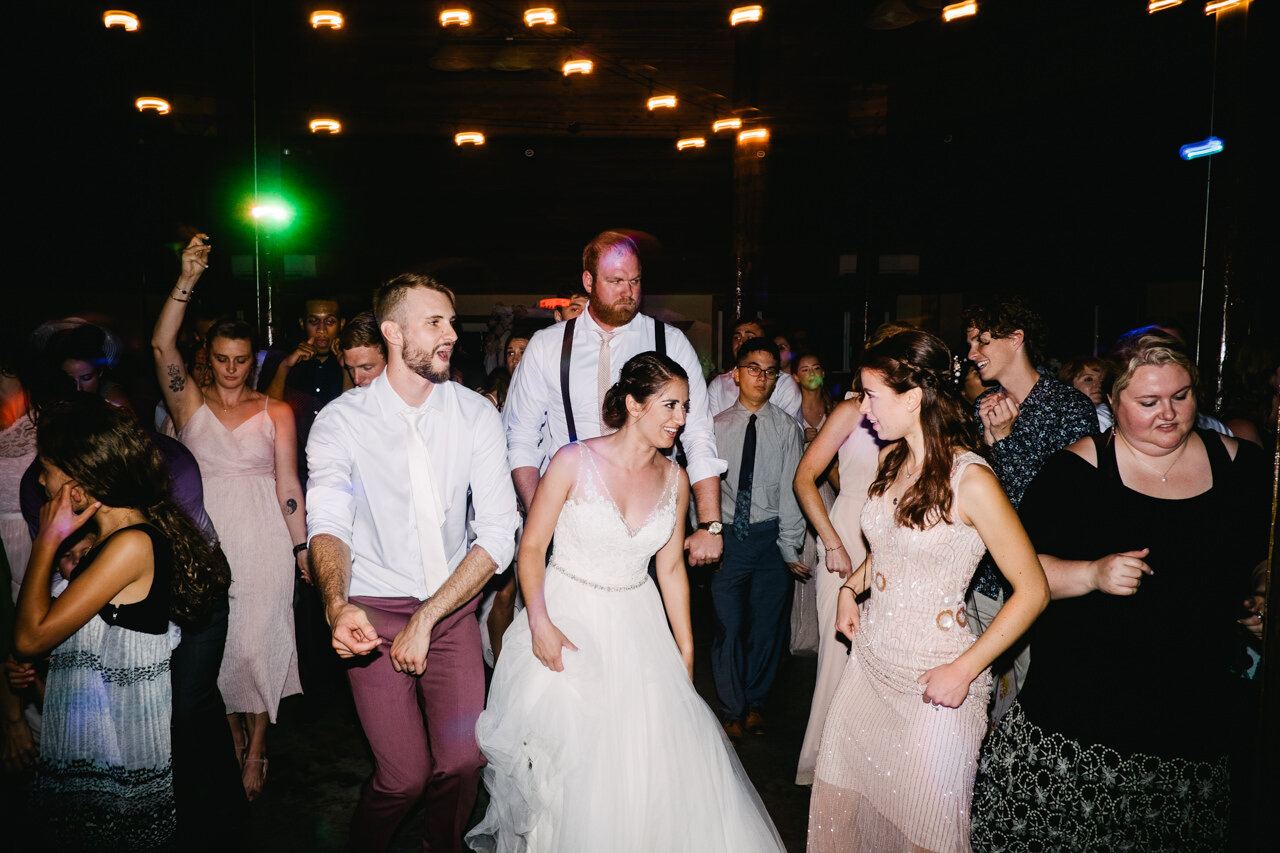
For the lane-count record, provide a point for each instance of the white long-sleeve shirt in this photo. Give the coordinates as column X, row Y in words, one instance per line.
column 534, row 399
column 359, row 489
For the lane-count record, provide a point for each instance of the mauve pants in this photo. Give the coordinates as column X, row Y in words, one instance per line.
column 422, row 729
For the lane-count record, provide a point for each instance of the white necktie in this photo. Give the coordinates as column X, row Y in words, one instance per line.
column 603, row 369
column 427, row 510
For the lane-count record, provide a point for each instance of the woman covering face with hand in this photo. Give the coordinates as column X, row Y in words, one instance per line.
column 104, row 778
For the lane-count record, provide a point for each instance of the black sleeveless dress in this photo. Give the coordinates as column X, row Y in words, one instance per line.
column 1120, row 738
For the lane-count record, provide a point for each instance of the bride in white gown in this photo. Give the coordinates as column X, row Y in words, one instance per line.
column 595, row 736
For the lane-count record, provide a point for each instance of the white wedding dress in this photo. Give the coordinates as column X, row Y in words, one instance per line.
column 618, row 752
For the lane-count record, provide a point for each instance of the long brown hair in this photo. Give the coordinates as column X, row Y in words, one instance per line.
column 914, row 359
column 108, row 454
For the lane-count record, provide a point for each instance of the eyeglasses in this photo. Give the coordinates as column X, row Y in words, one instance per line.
column 754, row 370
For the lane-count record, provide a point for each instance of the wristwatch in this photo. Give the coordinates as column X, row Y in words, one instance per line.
column 712, row 527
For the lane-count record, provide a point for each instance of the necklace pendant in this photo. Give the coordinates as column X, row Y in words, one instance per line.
column 1164, row 479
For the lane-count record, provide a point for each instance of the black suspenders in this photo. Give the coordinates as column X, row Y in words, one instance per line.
column 566, row 356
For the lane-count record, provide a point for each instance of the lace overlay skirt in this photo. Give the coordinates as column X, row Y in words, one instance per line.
column 1038, row 790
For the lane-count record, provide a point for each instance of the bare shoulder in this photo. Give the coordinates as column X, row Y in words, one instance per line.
column 977, row 489
column 1086, row 449
column 126, row 545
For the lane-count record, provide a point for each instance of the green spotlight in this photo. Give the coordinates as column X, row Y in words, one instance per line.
column 271, row 211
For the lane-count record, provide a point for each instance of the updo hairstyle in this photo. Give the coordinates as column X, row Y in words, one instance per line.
column 907, row 359
column 642, row 376
column 232, row 329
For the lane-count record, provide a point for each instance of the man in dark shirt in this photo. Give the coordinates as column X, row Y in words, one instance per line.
column 311, row 376
column 1024, row 420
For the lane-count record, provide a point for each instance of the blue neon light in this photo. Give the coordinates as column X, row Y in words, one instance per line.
column 1203, row 148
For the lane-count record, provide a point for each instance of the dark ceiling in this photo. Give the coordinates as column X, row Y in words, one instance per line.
column 1033, row 145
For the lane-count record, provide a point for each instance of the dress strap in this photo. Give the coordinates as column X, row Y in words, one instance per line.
column 1219, row 458
column 1105, row 447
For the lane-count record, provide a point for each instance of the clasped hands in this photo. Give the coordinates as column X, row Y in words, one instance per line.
column 354, row 634
column 997, row 411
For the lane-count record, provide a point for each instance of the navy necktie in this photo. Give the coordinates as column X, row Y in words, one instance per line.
column 742, row 505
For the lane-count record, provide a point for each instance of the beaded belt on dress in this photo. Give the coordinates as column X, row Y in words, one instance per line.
column 607, row 588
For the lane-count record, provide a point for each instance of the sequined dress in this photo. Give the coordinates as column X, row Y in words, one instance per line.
column 618, row 752
column 894, row 772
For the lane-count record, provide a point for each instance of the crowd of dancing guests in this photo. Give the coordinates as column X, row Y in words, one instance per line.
column 1035, row 593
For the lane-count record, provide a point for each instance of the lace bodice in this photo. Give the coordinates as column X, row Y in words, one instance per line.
column 915, row 618
column 593, row 542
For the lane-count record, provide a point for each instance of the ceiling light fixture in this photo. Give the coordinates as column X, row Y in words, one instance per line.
column 662, row 101
column 1220, row 6
column 455, row 18
column 758, row 134
column 959, row 10
column 534, row 17
column 578, row 66
column 326, row 18
column 120, row 18
column 1160, row 5
column 160, row 105
column 745, row 15
column 469, row 137
column 691, row 142
column 723, row 124
column 330, row 125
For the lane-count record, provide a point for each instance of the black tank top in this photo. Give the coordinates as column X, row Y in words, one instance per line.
column 151, row 614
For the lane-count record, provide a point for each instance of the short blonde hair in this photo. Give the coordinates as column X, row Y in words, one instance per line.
column 1154, row 350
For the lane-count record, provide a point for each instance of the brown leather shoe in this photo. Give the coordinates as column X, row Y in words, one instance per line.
column 733, row 728
column 754, row 723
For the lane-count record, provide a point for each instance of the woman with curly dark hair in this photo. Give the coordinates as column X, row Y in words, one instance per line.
column 900, row 744
column 105, row 772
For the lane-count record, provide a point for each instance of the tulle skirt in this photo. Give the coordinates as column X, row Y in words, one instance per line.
column 618, row 752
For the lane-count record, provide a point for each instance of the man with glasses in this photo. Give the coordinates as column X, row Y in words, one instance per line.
column 722, row 391
column 763, row 532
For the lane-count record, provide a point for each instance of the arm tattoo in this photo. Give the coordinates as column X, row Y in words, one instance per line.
column 176, row 380
column 290, row 506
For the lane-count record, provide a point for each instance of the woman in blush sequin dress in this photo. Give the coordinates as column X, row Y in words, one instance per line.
column 900, row 745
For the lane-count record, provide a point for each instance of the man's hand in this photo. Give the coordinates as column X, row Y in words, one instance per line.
column 353, row 633
column 409, row 648
column 704, row 548
column 998, row 411
column 800, row 570
column 305, row 352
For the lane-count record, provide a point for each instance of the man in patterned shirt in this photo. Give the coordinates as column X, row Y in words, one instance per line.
column 1024, row 420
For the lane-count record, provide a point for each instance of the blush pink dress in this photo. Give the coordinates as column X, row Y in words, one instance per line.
column 260, row 662
column 894, row 772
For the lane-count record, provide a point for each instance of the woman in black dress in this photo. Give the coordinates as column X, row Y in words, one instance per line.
column 1148, row 535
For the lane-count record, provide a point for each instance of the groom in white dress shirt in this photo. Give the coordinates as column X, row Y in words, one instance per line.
column 391, row 467
column 611, row 277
